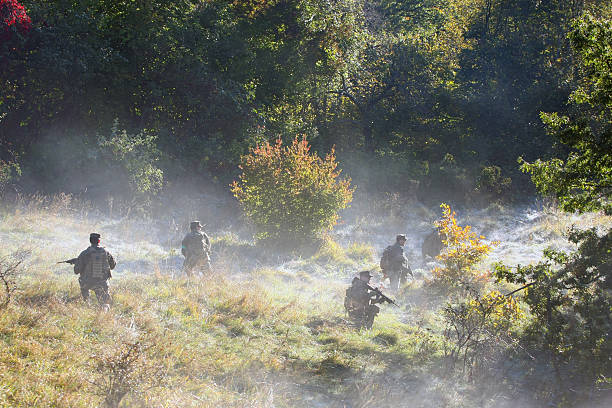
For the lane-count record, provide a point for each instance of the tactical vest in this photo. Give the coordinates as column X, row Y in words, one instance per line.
column 98, row 266
column 194, row 245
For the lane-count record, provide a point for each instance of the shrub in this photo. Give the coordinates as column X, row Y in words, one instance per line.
column 463, row 250
column 9, row 171
column 289, row 192
column 478, row 328
column 136, row 157
column 126, row 369
column 10, row 267
column 492, row 184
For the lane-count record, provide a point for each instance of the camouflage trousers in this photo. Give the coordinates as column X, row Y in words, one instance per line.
column 364, row 316
column 396, row 279
column 194, row 264
column 100, row 288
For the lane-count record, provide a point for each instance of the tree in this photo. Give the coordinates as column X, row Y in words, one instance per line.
column 583, row 180
column 570, row 295
column 290, row 193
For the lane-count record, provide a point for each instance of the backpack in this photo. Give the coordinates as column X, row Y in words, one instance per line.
column 348, row 297
column 385, row 259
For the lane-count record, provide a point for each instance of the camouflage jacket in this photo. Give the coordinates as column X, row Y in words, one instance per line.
column 195, row 244
column 94, row 263
column 397, row 259
column 358, row 295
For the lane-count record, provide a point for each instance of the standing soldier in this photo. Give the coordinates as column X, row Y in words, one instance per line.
column 394, row 264
column 94, row 268
column 196, row 249
column 360, row 301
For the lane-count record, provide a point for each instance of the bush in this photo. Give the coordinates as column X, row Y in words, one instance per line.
column 9, row 171
column 478, row 328
column 492, row 184
column 463, row 250
column 135, row 156
column 290, row 193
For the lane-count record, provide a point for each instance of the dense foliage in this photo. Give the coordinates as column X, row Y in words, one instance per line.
column 583, row 180
column 289, row 192
column 446, row 93
column 569, row 294
column 462, row 252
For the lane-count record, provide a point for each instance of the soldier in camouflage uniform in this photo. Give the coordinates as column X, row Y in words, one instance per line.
column 360, row 301
column 94, row 268
column 396, row 265
column 196, row 250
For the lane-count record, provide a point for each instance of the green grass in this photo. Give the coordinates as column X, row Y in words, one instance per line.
column 269, row 336
column 216, row 339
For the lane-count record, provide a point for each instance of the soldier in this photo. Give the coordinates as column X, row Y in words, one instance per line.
column 360, row 301
column 432, row 245
column 196, row 249
column 394, row 264
column 94, row 268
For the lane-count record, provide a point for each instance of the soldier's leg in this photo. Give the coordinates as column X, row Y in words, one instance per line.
column 206, row 268
column 371, row 314
column 188, row 267
column 101, row 291
column 84, row 289
column 403, row 278
column 394, row 280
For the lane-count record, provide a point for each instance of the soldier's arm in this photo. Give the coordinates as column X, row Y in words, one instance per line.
column 111, row 261
column 80, row 263
column 207, row 240
column 184, row 246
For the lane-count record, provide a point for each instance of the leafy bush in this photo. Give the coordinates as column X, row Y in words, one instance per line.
column 8, row 172
column 492, row 184
column 135, row 156
column 289, row 192
column 570, row 298
column 462, row 251
column 478, row 328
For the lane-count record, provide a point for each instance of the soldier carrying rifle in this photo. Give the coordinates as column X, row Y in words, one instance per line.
column 360, row 301
column 94, row 266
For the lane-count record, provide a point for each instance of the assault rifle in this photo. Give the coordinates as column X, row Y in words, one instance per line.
column 382, row 295
column 69, row 261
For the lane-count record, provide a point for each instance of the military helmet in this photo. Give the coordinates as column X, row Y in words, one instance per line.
column 400, row 236
column 364, row 274
column 195, row 224
column 94, row 238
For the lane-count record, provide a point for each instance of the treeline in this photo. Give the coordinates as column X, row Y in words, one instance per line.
column 146, row 92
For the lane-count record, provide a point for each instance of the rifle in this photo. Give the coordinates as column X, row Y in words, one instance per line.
column 69, row 261
column 382, row 295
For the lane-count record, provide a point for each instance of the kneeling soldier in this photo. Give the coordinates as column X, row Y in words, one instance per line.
column 94, row 267
column 360, row 301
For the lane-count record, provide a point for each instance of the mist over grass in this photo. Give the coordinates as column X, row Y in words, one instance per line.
column 264, row 329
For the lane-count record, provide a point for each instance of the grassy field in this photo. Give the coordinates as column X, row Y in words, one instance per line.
column 263, row 336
